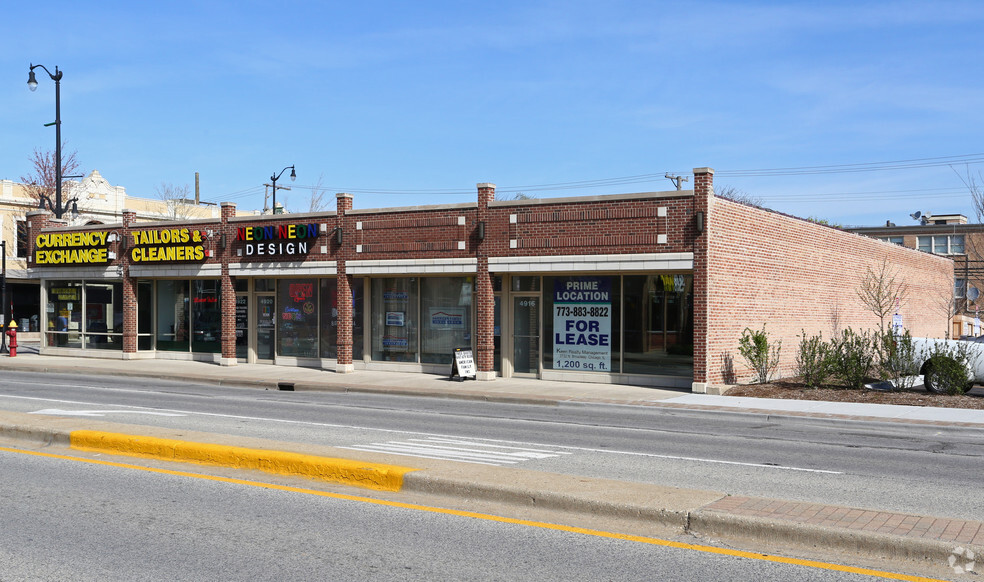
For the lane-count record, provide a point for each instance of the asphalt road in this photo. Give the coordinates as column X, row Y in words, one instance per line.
column 901, row 467
column 65, row 519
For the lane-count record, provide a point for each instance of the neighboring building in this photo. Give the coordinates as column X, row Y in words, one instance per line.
column 98, row 202
column 951, row 236
column 652, row 288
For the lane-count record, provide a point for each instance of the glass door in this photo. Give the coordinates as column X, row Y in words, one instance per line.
column 526, row 335
column 265, row 327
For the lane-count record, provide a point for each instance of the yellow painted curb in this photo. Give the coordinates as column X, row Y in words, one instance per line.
column 357, row 473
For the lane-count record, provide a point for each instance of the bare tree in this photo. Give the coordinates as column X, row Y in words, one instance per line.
column 971, row 268
column 881, row 291
column 319, row 200
column 945, row 300
column 519, row 196
column 974, row 186
column 41, row 181
column 739, row 196
column 175, row 199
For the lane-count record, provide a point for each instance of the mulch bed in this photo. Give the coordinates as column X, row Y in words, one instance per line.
column 792, row 390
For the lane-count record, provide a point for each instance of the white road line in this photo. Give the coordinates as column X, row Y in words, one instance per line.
column 466, row 451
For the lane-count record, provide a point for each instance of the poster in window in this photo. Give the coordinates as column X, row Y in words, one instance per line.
column 582, row 323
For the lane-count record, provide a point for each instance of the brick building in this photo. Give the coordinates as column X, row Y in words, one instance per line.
column 947, row 235
column 91, row 200
column 652, row 288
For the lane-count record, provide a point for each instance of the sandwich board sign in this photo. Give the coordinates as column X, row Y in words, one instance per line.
column 462, row 364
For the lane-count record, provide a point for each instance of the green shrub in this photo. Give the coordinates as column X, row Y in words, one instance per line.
column 900, row 359
column 854, row 358
column 814, row 361
column 948, row 369
column 761, row 357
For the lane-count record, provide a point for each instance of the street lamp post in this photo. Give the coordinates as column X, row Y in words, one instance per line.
column 32, row 84
column 273, row 180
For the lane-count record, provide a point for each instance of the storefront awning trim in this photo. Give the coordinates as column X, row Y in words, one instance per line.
column 580, row 263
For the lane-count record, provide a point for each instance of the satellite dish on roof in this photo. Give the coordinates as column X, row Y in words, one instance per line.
column 973, row 293
column 916, row 215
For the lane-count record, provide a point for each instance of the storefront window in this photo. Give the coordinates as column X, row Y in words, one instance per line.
column 659, row 326
column 172, row 316
column 446, row 304
column 206, row 316
column 104, row 316
column 580, row 323
column 394, row 319
column 329, row 318
column 64, row 314
column 297, row 320
column 358, row 319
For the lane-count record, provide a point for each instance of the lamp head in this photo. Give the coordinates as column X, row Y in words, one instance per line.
column 293, row 175
column 32, row 82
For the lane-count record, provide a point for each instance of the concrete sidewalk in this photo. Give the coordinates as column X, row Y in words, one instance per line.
column 874, row 533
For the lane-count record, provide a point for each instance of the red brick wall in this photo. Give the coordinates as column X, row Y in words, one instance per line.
column 411, row 233
column 590, row 226
column 794, row 275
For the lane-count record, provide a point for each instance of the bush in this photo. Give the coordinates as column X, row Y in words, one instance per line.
column 948, row 369
column 814, row 361
column 900, row 359
column 854, row 357
column 761, row 357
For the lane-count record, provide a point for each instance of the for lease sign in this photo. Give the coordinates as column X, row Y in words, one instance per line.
column 582, row 323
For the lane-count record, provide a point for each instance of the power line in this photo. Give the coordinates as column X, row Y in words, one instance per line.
column 917, row 163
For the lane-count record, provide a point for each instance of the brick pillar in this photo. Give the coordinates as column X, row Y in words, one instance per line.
column 228, row 286
column 343, row 362
column 130, row 306
column 703, row 203
column 37, row 220
column 484, row 295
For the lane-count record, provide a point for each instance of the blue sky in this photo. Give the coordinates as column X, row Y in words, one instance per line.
column 405, row 103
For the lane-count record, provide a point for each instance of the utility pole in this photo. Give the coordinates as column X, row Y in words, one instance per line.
column 266, row 196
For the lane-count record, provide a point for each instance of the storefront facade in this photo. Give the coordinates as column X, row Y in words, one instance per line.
column 601, row 289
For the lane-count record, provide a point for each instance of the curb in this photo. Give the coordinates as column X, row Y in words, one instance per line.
column 368, row 475
column 721, row 524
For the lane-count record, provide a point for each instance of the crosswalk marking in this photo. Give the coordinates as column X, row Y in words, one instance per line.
column 467, row 451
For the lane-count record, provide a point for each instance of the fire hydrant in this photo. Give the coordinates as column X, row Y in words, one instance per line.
column 12, row 334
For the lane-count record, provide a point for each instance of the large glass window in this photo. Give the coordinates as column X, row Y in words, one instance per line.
column 634, row 324
column 172, row 316
column 658, row 323
column 329, row 318
column 64, row 314
column 358, row 319
column 394, row 319
column 580, row 323
column 446, row 305
column 957, row 244
column 942, row 244
column 206, row 316
column 960, row 287
column 297, row 321
column 104, row 316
